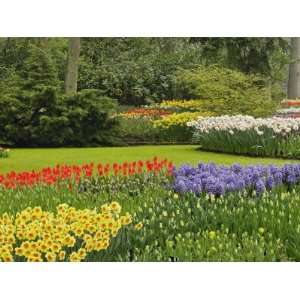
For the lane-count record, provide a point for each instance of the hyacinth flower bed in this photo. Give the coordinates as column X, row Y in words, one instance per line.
column 151, row 211
column 219, row 180
column 273, row 137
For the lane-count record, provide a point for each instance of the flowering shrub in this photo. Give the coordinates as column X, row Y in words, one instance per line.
column 35, row 235
column 247, row 135
column 4, row 152
column 218, row 180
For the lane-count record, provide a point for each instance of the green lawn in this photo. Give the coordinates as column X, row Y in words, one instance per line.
column 29, row 159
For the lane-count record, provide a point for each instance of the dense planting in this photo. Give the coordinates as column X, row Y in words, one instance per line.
column 35, row 235
column 277, row 137
column 220, row 180
column 203, row 213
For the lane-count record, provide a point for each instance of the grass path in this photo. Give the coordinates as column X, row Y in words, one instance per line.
column 29, row 159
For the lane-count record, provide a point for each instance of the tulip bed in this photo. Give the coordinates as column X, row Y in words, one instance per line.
column 272, row 137
column 151, row 211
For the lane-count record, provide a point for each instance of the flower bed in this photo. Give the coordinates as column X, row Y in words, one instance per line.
column 35, row 235
column 275, row 137
column 219, row 180
column 185, row 105
column 64, row 174
column 216, row 213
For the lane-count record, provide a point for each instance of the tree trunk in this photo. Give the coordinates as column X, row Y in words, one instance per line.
column 294, row 70
column 72, row 66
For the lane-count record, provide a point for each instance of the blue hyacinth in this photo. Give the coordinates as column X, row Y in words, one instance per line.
column 218, row 180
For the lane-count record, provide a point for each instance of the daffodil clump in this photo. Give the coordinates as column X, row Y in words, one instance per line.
column 69, row 234
column 179, row 119
column 193, row 105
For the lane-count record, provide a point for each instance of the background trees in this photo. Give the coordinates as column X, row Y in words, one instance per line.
column 141, row 70
column 39, row 77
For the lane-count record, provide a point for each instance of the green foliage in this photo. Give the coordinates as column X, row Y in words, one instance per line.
column 45, row 119
column 135, row 70
column 135, row 131
column 225, row 91
column 38, row 70
column 246, row 54
column 138, row 131
column 89, row 118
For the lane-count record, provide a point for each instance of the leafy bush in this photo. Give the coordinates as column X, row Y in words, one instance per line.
column 45, row 119
column 225, row 91
column 135, row 71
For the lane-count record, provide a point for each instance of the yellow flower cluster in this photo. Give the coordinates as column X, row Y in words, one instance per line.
column 185, row 104
column 179, row 119
column 67, row 235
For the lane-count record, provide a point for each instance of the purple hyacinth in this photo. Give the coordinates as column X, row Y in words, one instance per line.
column 218, row 180
column 259, row 187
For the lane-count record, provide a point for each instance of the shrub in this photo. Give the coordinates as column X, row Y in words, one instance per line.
column 43, row 118
column 225, row 91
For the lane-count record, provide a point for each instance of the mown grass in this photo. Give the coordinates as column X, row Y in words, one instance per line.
column 32, row 159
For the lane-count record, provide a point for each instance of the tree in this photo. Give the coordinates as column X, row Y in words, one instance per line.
column 294, row 69
column 246, row 54
column 72, row 66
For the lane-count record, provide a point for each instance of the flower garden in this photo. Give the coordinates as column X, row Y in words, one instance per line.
column 158, row 210
column 151, row 210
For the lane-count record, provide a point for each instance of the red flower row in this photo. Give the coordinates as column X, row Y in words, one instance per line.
column 50, row 176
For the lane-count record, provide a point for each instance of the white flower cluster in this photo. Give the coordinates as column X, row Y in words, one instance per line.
column 234, row 124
